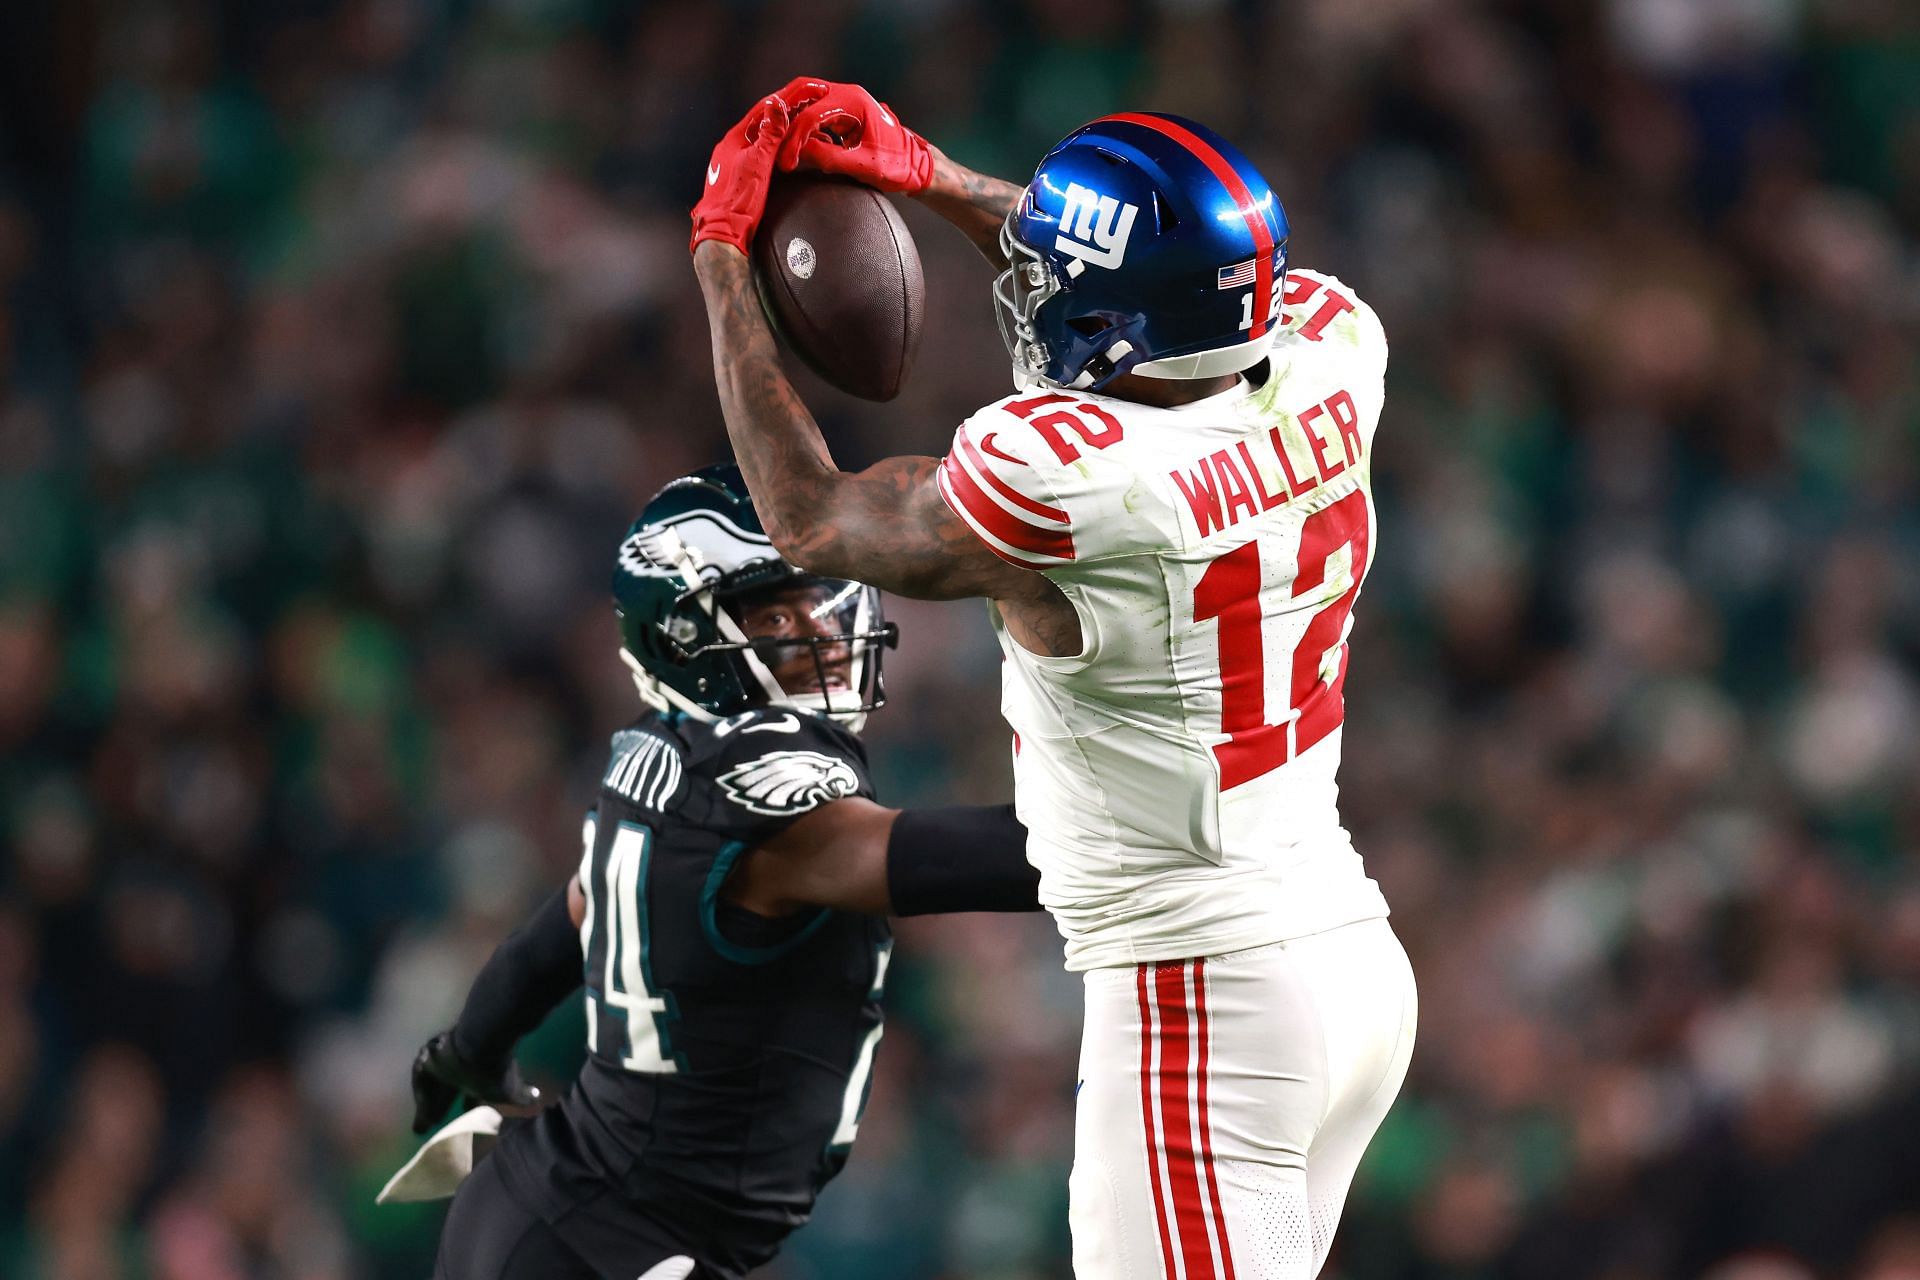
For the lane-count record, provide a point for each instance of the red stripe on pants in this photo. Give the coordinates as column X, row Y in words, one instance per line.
column 1176, row 1119
column 1205, row 1032
column 1147, row 1039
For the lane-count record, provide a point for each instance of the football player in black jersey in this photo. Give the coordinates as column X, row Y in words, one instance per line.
column 730, row 910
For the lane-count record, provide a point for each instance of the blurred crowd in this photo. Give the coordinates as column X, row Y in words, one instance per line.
column 340, row 339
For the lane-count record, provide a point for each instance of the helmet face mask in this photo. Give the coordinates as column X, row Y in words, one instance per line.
column 809, row 642
column 1144, row 244
column 714, row 623
column 1028, row 284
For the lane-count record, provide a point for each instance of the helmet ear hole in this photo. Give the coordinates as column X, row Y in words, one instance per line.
column 1089, row 326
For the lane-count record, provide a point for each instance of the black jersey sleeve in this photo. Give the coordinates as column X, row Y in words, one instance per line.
column 769, row 768
column 529, row 974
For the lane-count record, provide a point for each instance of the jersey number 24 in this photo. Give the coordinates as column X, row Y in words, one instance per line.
column 613, row 936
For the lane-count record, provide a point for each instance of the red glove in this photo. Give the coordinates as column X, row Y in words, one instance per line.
column 843, row 129
column 737, row 177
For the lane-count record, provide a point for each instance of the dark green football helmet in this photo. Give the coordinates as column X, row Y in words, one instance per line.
column 714, row 623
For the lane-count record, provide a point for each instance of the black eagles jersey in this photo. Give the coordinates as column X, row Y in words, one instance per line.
column 728, row 1054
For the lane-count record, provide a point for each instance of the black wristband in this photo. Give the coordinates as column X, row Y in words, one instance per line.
column 537, row 967
column 960, row 859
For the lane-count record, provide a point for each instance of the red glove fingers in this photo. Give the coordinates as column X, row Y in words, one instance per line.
column 843, row 129
column 737, row 176
column 803, row 91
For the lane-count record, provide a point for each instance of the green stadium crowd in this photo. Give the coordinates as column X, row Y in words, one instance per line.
column 341, row 339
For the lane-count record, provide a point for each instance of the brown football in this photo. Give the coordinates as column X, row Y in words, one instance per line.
column 840, row 278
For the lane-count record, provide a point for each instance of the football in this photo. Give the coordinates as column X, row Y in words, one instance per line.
column 840, row 279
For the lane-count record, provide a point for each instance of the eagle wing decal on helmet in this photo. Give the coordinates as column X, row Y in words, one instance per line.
column 785, row 782
column 697, row 545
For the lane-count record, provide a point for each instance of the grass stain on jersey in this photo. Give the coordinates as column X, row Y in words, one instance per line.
column 1267, row 398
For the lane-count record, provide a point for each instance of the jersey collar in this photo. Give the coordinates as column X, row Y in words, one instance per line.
column 1245, row 385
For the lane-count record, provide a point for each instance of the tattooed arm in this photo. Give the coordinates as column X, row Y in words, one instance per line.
column 887, row 525
column 973, row 202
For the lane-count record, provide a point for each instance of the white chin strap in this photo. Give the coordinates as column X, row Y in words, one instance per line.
column 658, row 696
column 1025, row 379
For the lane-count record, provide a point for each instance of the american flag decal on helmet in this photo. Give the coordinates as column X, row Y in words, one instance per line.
column 1241, row 274
column 1237, row 275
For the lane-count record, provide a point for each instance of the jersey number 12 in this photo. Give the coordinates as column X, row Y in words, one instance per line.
column 1230, row 591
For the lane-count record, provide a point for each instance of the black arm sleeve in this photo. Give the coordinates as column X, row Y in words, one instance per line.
column 536, row 968
column 960, row 859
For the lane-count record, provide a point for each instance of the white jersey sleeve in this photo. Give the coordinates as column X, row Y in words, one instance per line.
column 1031, row 476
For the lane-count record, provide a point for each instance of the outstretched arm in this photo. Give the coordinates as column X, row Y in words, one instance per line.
column 530, row 973
column 887, row 525
column 855, row 855
column 974, row 202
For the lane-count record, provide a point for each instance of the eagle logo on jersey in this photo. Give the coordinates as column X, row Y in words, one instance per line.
column 784, row 782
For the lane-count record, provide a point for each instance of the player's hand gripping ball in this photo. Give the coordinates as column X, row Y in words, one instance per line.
column 843, row 129
column 836, row 268
column 737, row 176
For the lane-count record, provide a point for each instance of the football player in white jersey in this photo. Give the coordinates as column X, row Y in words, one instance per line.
column 1171, row 517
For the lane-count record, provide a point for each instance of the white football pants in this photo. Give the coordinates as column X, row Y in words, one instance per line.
column 1225, row 1102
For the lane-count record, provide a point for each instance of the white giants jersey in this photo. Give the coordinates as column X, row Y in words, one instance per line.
column 1177, row 775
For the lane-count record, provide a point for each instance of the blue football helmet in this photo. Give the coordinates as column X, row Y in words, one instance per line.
column 1144, row 244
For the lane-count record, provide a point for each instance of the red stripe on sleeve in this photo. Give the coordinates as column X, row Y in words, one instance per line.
column 983, row 511
column 1219, row 166
column 1006, row 490
column 953, row 505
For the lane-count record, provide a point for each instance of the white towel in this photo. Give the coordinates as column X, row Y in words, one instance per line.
column 675, row 1268
column 438, row 1168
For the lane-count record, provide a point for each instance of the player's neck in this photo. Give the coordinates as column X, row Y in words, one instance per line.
column 1167, row 393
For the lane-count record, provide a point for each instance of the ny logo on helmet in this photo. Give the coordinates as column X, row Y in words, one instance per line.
column 1094, row 228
